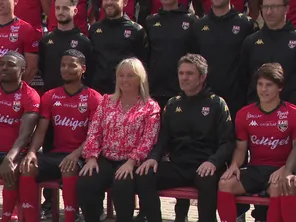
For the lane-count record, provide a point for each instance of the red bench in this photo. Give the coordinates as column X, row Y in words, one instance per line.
column 191, row 193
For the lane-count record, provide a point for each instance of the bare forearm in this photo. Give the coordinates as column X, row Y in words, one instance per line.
column 239, row 157
column 17, row 147
column 36, row 143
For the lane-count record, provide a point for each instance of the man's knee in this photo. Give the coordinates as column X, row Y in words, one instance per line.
column 227, row 185
column 273, row 190
column 207, row 182
column 32, row 171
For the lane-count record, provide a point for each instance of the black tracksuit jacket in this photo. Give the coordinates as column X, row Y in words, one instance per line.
column 51, row 50
column 115, row 40
column 169, row 35
column 266, row 46
column 196, row 129
column 219, row 40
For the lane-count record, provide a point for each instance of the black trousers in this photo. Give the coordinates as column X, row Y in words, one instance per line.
column 91, row 191
column 170, row 175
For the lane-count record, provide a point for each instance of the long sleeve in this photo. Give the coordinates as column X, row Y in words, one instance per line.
column 160, row 147
column 149, row 137
column 226, row 137
column 244, row 71
column 141, row 46
column 94, row 135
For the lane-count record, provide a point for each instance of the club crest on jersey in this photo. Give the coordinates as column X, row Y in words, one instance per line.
column 74, row 44
column 283, row 125
column 17, row 96
column 235, row 29
column 185, row 25
column 16, row 106
column 13, row 37
column 292, row 44
column 127, row 33
column 82, row 107
column 205, row 111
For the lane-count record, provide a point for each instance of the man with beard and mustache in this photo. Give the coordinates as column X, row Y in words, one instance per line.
column 80, row 18
column 70, row 108
column 115, row 38
column 51, row 48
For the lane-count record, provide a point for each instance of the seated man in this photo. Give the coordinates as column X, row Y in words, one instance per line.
column 197, row 134
column 19, row 107
column 268, row 128
column 70, row 108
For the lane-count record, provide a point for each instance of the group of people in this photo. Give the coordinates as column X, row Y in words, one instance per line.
column 98, row 120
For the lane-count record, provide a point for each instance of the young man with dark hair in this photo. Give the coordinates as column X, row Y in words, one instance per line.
column 196, row 158
column 80, row 18
column 19, row 112
column 268, row 129
column 70, row 108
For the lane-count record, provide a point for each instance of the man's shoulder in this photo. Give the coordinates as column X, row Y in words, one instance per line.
column 133, row 25
column 28, row 91
column 249, row 111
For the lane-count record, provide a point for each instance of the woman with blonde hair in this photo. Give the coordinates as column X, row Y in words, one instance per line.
column 122, row 133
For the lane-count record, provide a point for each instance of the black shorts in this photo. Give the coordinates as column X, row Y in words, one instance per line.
column 255, row 178
column 48, row 166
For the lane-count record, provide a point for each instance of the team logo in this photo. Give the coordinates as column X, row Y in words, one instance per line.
column 16, row 106
column 127, row 33
column 82, row 107
column 13, row 37
column 14, row 28
column 17, row 96
column 292, row 44
column 283, row 125
column 74, row 44
column 185, row 25
column 205, row 111
column 235, row 29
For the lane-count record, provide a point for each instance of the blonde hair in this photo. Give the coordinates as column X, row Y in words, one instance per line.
column 138, row 69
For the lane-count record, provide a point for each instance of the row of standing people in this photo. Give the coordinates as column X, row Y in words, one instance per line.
column 218, row 37
column 119, row 139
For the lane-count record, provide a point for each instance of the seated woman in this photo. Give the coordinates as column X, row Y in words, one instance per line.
column 122, row 133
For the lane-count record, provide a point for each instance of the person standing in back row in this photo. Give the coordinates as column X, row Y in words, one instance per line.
column 115, row 38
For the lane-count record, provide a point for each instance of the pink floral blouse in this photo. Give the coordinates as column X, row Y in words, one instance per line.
column 119, row 135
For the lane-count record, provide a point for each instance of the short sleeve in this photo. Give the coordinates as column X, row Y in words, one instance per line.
column 30, row 41
column 32, row 102
column 95, row 99
column 46, row 106
column 241, row 127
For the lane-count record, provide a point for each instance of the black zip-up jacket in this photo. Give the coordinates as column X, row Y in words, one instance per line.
column 168, row 33
column 219, row 41
column 266, row 46
column 196, row 129
column 51, row 50
column 115, row 40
